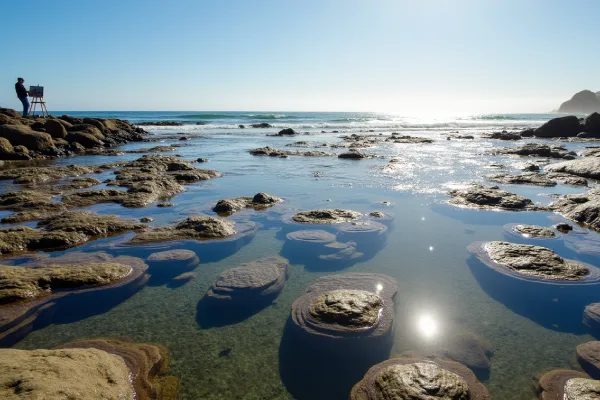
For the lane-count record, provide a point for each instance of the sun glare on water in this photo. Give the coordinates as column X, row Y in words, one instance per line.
column 427, row 326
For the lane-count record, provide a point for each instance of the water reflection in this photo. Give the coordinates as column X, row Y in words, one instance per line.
column 427, row 326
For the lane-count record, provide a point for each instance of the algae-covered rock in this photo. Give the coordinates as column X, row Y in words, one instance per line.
column 564, row 384
column 89, row 223
column 25, row 136
column 148, row 366
column 258, row 202
column 327, row 216
column 84, row 374
column 194, row 228
column 347, row 306
column 21, row 238
column 30, row 201
column 47, row 174
column 21, row 283
column 530, row 261
column 419, row 379
column 493, row 197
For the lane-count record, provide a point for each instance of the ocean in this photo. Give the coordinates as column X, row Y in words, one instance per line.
column 530, row 329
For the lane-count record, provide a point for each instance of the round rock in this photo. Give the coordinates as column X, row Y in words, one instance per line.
column 309, row 237
column 419, row 379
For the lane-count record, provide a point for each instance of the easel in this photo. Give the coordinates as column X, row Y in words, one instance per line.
column 38, row 100
column 37, row 96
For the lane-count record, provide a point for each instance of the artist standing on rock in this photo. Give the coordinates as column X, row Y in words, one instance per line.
column 22, row 94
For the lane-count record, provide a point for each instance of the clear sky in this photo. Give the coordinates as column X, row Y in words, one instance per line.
column 405, row 56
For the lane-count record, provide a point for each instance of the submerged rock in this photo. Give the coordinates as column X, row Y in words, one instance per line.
column 166, row 265
column 419, row 379
column 327, row 216
column 252, row 284
column 184, row 278
column 354, row 306
column 591, row 317
column 588, row 356
column 485, row 197
column 522, row 179
column 565, row 384
column 192, row 228
column 529, row 261
column 258, row 202
column 532, row 231
column 312, row 237
column 469, row 350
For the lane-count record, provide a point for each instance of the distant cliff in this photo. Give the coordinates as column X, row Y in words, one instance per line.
column 585, row 102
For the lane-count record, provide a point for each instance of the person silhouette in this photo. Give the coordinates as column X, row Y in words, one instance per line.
column 22, row 94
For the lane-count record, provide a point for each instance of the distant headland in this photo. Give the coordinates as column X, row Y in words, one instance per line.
column 585, row 102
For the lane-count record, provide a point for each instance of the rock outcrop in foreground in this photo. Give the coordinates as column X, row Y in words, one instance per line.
column 419, row 379
column 583, row 208
column 531, row 262
column 28, row 138
column 490, row 198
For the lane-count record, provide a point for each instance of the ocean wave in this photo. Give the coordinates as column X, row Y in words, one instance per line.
column 208, row 116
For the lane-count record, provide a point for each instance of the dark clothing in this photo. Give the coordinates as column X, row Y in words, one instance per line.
column 21, row 91
column 25, row 103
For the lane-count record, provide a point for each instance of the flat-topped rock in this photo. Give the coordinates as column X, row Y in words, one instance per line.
column 29, row 201
column 40, row 283
column 532, row 231
column 588, row 356
column 529, row 261
column 271, row 152
column 419, row 379
column 192, row 228
column 250, row 284
column 567, row 179
column 89, row 223
column 538, row 150
column 20, row 239
column 492, row 198
column 565, row 384
column 327, row 216
column 587, row 167
column 85, row 374
column 522, row 179
column 344, row 306
column 591, row 317
column 258, row 202
column 148, row 366
column 318, row 237
column 582, row 208
column 173, row 256
column 34, row 175
column 166, row 265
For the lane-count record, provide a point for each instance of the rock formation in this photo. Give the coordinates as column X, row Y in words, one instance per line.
column 166, row 265
column 583, row 208
column 583, row 102
column 532, row 231
column 538, row 150
column 258, row 202
column 192, row 228
column 328, row 216
column 490, row 198
column 588, row 356
column 532, row 178
column 591, row 317
column 419, row 379
column 587, row 167
column 565, row 384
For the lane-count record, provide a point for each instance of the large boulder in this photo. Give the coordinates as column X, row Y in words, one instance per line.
column 95, row 122
column 85, row 139
column 585, row 101
column 55, row 129
column 560, row 127
column 25, row 136
column 591, row 124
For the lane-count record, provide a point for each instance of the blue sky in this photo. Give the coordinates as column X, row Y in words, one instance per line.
column 402, row 56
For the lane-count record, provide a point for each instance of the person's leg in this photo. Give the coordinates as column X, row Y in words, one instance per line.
column 25, row 105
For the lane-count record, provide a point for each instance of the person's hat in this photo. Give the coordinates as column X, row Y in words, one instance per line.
column 20, row 79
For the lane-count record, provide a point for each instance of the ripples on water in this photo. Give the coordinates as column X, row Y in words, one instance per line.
column 442, row 288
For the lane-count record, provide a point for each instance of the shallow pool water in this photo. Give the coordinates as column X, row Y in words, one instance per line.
column 443, row 289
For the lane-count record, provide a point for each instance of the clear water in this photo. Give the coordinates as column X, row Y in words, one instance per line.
column 531, row 329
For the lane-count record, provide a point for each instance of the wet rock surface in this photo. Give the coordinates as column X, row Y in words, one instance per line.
column 529, row 261
column 164, row 266
column 148, row 366
column 591, row 317
column 22, row 239
column 581, row 208
column 522, row 179
column 563, row 384
column 354, row 305
column 34, row 175
column 89, row 223
column 504, row 135
column 192, row 228
column 419, row 379
column 251, row 283
column 588, row 356
column 271, row 152
column 532, row 231
column 486, row 197
column 326, row 216
column 587, row 167
column 538, row 150
column 258, row 202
